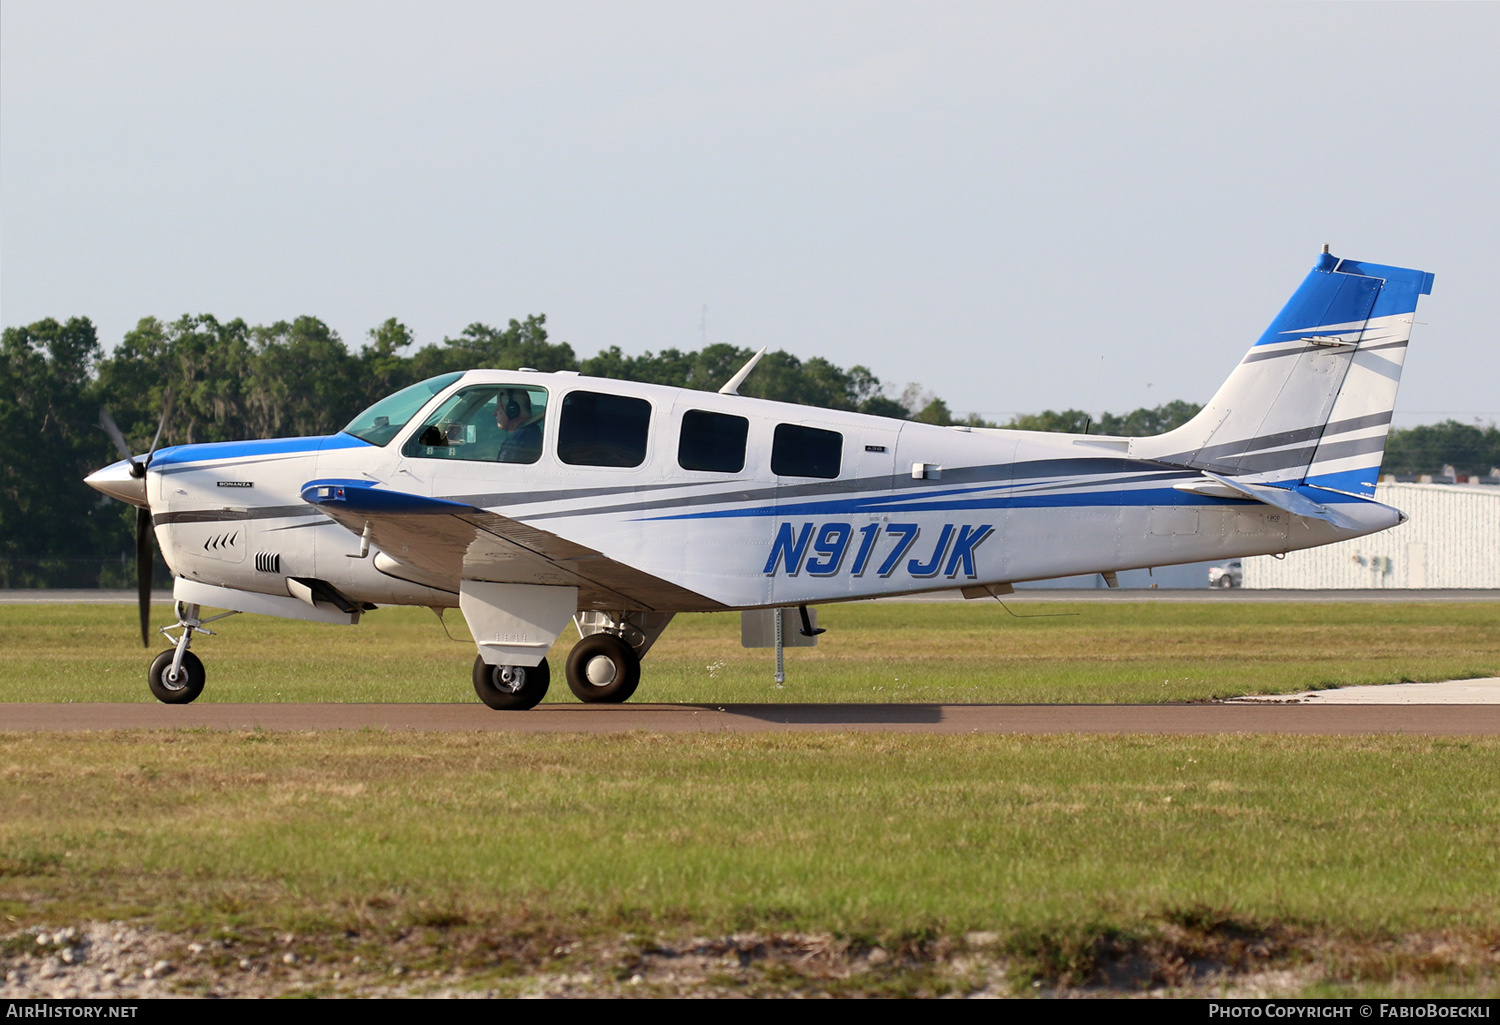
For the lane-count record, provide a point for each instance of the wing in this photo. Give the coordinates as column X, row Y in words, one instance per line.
column 436, row 542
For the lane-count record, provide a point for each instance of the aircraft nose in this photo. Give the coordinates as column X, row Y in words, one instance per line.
column 116, row 481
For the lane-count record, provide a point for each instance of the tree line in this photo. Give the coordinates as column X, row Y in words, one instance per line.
column 230, row 380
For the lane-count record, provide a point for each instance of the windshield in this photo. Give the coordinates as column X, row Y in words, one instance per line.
column 380, row 423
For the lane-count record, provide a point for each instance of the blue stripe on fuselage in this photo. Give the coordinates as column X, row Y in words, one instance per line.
column 361, row 496
column 1051, row 500
column 212, row 450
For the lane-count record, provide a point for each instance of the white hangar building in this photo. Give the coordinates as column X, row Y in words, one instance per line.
column 1451, row 538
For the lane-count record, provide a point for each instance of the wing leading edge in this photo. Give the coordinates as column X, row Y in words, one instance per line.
column 438, row 543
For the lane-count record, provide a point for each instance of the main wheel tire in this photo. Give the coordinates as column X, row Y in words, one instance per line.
column 189, row 682
column 511, row 688
column 602, row 669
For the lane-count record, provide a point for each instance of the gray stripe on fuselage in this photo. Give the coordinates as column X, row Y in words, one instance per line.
column 511, row 499
column 1210, row 455
column 243, row 462
column 267, row 512
column 996, row 475
column 1283, row 459
column 1256, row 357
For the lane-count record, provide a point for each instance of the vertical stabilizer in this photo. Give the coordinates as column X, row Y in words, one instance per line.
column 1311, row 401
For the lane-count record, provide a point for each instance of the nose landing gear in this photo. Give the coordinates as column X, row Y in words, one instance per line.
column 173, row 680
column 176, row 676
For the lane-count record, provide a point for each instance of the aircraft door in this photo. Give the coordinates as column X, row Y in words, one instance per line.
column 875, row 477
column 877, row 456
column 827, row 475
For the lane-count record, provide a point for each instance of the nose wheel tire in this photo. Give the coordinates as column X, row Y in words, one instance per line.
column 602, row 669
column 188, row 684
column 511, row 688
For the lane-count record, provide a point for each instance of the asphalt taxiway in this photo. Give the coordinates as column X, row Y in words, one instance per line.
column 1200, row 718
column 1383, row 595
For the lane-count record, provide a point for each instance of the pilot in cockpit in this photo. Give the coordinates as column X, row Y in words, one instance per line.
column 523, row 429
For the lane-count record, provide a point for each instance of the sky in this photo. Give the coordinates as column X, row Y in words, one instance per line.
column 1019, row 206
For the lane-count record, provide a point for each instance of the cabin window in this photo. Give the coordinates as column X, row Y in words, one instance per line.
column 596, row 429
column 495, row 423
column 712, row 441
column 806, row 451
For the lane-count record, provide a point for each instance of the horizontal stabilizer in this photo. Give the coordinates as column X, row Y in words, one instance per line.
column 1294, row 502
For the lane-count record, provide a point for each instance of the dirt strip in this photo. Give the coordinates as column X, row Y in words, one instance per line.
column 1436, row 720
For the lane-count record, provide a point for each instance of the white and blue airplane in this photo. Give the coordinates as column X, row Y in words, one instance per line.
column 528, row 499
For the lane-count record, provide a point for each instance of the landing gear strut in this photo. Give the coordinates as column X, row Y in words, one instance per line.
column 176, row 676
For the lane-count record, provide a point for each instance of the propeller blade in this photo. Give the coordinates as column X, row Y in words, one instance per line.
column 108, row 423
column 166, row 411
column 143, row 571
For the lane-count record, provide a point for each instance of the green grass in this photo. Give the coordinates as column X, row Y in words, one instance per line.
column 1375, row 857
column 1371, row 859
column 851, row 833
column 888, row 652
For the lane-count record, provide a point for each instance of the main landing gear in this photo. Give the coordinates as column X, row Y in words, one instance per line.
column 176, row 675
column 511, row 688
column 604, row 667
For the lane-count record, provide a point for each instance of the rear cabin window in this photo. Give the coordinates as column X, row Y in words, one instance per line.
column 603, row 430
column 800, row 451
column 712, row 441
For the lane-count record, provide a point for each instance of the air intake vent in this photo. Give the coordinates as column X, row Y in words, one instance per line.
column 268, row 562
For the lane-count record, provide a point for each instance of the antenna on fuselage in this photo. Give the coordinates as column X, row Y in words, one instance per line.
column 732, row 386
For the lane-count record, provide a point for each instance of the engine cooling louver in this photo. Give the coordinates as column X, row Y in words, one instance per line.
column 268, row 562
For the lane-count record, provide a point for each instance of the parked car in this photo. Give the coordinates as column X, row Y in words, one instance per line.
column 1226, row 574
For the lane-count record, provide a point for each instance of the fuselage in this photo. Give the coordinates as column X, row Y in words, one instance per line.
column 744, row 502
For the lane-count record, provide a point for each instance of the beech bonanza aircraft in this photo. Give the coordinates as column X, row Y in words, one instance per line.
column 526, row 499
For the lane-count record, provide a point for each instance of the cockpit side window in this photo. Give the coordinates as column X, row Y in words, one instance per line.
column 496, row 423
column 384, row 420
